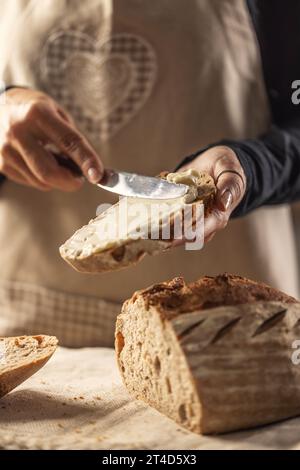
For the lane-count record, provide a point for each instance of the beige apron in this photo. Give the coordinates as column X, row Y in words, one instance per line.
column 148, row 83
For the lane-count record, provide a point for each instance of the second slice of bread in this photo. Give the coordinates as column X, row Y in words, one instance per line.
column 21, row 357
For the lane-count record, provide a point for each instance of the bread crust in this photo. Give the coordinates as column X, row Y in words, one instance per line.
column 110, row 260
column 174, row 297
column 128, row 252
column 41, row 348
column 224, row 349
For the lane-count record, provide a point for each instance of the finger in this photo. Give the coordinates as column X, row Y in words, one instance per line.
column 66, row 116
column 210, row 237
column 230, row 181
column 17, row 177
column 217, row 220
column 178, row 242
column 17, row 168
column 44, row 166
column 71, row 142
column 192, row 228
column 223, row 165
column 230, row 189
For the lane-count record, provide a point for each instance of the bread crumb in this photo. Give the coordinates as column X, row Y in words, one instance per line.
column 60, row 425
column 97, row 398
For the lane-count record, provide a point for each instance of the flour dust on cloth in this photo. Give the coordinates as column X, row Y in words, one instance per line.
column 77, row 401
column 147, row 83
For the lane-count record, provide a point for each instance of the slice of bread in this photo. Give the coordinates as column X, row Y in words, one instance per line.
column 99, row 247
column 215, row 355
column 21, row 357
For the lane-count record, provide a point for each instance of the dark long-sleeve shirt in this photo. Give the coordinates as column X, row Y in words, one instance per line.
column 272, row 161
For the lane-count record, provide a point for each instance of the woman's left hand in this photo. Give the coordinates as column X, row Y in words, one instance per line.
column 222, row 164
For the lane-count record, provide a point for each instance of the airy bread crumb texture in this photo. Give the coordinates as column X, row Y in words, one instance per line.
column 153, row 367
column 201, row 353
column 21, row 357
column 94, row 249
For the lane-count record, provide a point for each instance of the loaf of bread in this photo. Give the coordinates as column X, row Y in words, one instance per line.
column 215, row 355
column 21, row 357
column 99, row 247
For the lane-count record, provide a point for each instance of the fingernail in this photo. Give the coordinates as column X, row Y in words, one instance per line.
column 80, row 179
column 226, row 199
column 94, row 175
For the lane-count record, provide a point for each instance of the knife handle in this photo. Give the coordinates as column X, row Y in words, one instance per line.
column 69, row 164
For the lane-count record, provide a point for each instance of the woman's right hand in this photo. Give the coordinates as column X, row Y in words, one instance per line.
column 31, row 120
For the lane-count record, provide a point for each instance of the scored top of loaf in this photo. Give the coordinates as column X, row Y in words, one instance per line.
column 175, row 296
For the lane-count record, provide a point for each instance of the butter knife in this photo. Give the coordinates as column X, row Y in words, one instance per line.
column 131, row 184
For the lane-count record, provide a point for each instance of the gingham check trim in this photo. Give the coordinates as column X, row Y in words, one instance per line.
column 77, row 321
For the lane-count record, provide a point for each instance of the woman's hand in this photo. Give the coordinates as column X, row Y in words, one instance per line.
column 31, row 120
column 223, row 165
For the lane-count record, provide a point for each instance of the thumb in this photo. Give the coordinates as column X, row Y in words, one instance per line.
column 230, row 190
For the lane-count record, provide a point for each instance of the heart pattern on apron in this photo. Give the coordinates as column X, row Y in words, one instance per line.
column 103, row 84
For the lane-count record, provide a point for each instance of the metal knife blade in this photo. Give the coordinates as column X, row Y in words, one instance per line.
column 146, row 187
column 130, row 184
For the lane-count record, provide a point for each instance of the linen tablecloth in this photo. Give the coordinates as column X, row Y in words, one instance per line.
column 77, row 401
